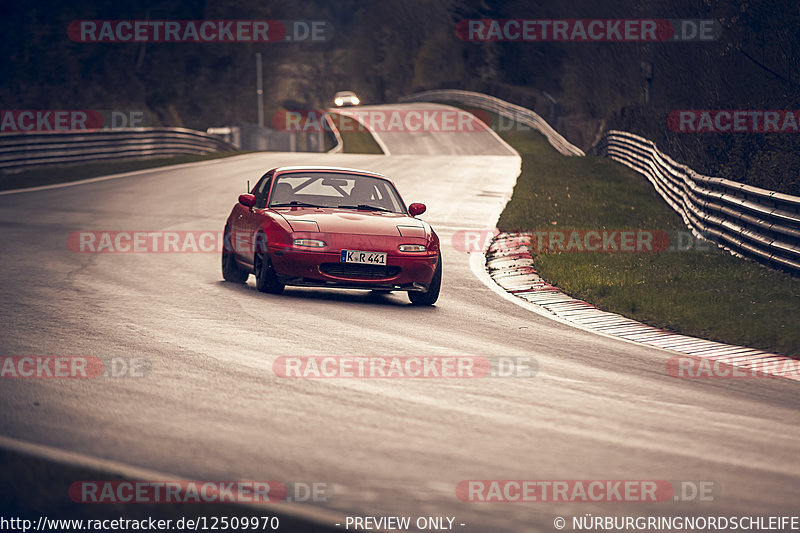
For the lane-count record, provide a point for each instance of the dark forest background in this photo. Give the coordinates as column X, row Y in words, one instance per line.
column 383, row 50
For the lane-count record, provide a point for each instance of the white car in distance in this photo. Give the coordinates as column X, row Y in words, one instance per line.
column 345, row 98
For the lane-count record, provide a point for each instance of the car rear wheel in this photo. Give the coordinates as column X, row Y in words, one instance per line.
column 266, row 278
column 230, row 270
column 430, row 296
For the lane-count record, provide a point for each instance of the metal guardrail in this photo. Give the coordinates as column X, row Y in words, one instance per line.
column 745, row 220
column 339, row 147
column 501, row 107
column 41, row 149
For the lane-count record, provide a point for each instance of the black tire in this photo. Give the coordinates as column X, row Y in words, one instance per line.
column 266, row 278
column 230, row 270
column 430, row 296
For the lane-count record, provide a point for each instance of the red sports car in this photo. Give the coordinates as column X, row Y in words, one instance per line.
column 331, row 227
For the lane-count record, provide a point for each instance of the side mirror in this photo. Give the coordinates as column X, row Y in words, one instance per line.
column 416, row 209
column 247, row 200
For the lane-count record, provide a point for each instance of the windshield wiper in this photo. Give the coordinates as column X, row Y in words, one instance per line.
column 365, row 206
column 294, row 204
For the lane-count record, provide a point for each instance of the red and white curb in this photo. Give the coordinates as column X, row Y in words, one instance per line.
column 510, row 264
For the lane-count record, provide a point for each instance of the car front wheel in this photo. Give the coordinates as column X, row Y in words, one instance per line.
column 430, row 296
column 266, row 278
column 230, row 270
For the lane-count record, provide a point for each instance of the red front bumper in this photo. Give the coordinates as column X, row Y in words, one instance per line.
column 297, row 265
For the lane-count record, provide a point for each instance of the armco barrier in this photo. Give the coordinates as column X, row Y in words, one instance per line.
column 745, row 220
column 339, row 146
column 40, row 149
column 503, row 108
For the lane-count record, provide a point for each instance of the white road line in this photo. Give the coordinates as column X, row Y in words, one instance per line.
column 113, row 176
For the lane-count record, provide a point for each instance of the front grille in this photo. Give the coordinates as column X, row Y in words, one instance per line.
column 350, row 270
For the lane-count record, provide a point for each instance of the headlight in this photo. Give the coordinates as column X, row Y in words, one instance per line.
column 412, row 248
column 338, row 101
column 312, row 243
column 354, row 100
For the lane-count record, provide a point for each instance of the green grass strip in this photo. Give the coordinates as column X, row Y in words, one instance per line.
column 704, row 292
column 356, row 139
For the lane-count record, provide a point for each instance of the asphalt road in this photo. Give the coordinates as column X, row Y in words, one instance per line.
column 211, row 407
column 424, row 128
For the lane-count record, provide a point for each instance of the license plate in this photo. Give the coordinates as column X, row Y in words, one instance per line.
column 363, row 258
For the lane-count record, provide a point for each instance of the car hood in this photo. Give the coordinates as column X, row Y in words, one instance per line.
column 332, row 220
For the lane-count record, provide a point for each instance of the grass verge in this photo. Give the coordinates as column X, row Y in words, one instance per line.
column 63, row 174
column 356, row 139
column 703, row 291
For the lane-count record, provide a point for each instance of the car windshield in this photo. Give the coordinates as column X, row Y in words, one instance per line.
column 335, row 189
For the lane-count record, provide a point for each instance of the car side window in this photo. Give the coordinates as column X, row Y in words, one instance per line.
column 262, row 190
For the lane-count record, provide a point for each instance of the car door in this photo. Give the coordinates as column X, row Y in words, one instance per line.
column 248, row 220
